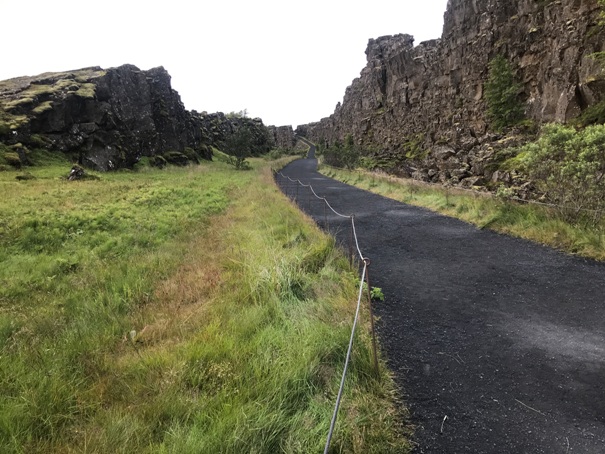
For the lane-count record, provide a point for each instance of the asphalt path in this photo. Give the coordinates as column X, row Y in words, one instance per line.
column 497, row 344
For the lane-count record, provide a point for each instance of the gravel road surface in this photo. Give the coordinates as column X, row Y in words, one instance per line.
column 497, row 344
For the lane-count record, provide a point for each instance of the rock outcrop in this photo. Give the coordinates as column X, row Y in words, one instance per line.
column 108, row 119
column 283, row 137
column 422, row 109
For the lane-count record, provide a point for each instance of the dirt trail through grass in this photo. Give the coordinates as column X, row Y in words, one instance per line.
column 497, row 344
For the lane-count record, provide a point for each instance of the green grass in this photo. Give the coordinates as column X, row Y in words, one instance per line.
column 537, row 223
column 179, row 310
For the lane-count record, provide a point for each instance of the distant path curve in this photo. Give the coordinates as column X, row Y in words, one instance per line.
column 497, row 344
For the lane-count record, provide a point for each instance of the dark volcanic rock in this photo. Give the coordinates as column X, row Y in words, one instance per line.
column 109, row 119
column 433, row 94
column 283, row 137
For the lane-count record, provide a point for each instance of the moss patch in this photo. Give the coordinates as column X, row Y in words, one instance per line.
column 26, row 96
column 46, row 105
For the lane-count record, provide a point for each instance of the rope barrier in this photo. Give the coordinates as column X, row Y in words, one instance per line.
column 364, row 273
column 356, row 242
column 315, row 194
column 344, row 372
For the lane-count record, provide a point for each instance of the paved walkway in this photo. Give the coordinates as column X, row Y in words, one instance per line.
column 497, row 344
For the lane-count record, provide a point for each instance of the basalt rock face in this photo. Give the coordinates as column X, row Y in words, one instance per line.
column 423, row 108
column 217, row 127
column 108, row 119
column 283, row 137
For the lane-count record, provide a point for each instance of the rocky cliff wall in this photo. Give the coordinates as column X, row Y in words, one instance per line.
column 109, row 119
column 424, row 108
column 283, row 137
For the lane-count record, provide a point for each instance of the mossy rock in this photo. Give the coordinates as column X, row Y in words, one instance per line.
column 78, row 173
column 86, row 91
column 192, row 155
column 5, row 128
column 158, row 161
column 592, row 115
column 25, row 177
column 38, row 141
column 41, row 108
column 12, row 159
column 176, row 158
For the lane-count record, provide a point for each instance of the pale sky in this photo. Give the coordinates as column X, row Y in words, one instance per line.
column 286, row 62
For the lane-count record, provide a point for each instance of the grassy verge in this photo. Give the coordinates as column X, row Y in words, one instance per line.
column 184, row 310
column 532, row 222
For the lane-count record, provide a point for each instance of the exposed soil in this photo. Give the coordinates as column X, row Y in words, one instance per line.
column 502, row 336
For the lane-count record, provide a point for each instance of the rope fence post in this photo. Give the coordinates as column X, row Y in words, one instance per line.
column 351, row 241
column 309, row 199
column 297, row 186
column 374, row 349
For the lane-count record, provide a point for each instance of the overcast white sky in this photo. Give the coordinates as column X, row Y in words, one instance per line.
column 284, row 61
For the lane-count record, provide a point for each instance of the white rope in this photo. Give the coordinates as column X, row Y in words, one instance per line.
column 315, row 194
column 334, row 211
column 320, row 198
column 344, row 372
column 361, row 282
column 356, row 242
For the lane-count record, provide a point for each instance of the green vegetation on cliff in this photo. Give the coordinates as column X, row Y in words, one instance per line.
column 502, row 94
column 181, row 310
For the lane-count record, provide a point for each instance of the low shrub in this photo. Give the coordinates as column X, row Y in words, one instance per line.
column 569, row 167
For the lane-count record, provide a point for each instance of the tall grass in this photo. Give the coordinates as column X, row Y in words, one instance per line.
column 184, row 310
column 533, row 222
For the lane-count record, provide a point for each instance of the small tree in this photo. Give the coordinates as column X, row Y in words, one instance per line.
column 502, row 94
column 346, row 156
column 569, row 167
column 237, row 146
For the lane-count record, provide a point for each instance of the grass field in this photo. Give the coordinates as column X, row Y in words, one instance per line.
column 533, row 222
column 185, row 310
